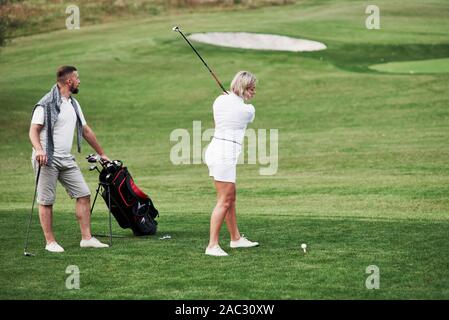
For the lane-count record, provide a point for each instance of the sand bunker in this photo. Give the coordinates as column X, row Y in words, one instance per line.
column 257, row 41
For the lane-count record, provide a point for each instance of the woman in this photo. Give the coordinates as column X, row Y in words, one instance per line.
column 231, row 116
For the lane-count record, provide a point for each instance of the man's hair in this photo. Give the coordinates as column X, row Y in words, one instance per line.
column 63, row 72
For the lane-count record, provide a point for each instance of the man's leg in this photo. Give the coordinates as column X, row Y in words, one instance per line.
column 83, row 216
column 45, row 216
column 72, row 179
column 46, row 193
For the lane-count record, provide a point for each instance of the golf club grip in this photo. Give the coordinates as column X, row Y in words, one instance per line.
column 219, row 83
column 204, row 62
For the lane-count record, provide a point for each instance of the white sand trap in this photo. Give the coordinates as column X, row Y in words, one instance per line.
column 257, row 41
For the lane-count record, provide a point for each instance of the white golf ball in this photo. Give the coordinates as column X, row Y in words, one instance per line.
column 303, row 246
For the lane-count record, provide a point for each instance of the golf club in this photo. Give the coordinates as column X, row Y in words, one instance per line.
column 93, row 158
column 25, row 250
column 176, row 29
column 91, row 168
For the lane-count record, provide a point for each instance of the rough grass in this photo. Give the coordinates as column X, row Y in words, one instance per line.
column 26, row 17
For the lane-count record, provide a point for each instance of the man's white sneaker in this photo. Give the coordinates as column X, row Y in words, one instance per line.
column 54, row 247
column 243, row 243
column 92, row 243
column 216, row 251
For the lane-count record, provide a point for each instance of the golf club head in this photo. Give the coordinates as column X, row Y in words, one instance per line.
column 91, row 168
column 92, row 158
column 28, row 254
column 176, row 29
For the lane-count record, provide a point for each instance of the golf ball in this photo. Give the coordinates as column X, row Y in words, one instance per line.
column 303, row 246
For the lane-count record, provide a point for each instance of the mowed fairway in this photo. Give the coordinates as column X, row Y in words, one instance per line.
column 363, row 173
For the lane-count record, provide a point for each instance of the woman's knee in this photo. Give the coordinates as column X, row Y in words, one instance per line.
column 226, row 195
column 225, row 204
column 227, row 201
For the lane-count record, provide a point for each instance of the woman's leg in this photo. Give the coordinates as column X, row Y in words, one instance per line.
column 225, row 199
column 231, row 221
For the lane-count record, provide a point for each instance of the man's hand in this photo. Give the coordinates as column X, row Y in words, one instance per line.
column 41, row 157
column 103, row 157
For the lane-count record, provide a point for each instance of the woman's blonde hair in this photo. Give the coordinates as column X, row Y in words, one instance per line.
column 241, row 82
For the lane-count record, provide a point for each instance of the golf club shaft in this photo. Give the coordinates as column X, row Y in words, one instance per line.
column 32, row 208
column 211, row 72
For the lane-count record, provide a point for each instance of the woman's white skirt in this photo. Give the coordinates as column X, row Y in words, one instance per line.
column 221, row 158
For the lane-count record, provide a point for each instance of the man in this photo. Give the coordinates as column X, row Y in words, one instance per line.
column 53, row 123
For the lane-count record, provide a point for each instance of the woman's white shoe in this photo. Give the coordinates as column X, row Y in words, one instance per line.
column 243, row 243
column 216, row 251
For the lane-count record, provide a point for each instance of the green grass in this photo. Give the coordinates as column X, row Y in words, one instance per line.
column 425, row 66
column 363, row 173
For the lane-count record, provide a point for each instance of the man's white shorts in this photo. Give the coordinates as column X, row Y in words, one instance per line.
column 67, row 172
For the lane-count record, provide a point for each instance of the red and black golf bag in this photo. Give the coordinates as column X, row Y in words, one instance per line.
column 129, row 205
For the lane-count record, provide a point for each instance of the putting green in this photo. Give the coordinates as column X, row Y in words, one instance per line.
column 420, row 66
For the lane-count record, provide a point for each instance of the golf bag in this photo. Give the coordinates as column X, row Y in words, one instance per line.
column 129, row 205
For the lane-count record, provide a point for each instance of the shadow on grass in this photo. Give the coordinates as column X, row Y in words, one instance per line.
column 358, row 57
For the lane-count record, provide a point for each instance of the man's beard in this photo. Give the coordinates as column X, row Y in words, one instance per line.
column 74, row 90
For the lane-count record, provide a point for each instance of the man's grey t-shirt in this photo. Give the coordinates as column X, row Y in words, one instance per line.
column 63, row 129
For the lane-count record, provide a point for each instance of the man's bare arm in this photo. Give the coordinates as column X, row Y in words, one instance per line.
column 90, row 137
column 41, row 155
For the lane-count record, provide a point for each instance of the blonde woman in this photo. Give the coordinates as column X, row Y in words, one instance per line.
column 231, row 116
